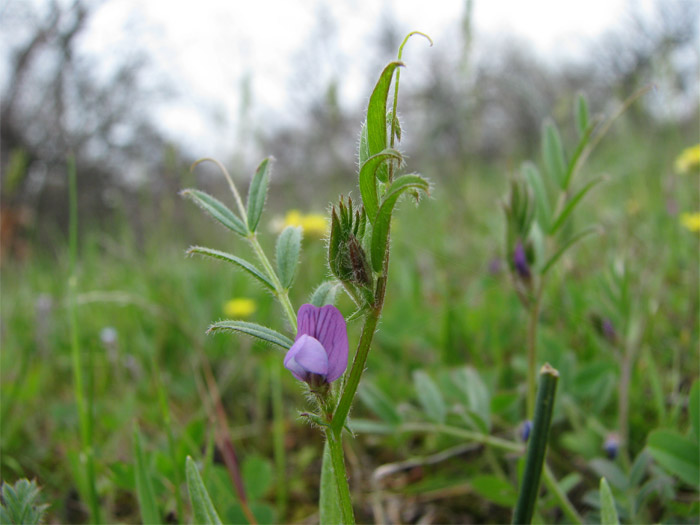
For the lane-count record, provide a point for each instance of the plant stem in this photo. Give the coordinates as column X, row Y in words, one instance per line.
column 84, row 412
column 476, row 437
column 559, row 494
column 537, row 446
column 335, row 447
column 281, row 293
column 532, row 351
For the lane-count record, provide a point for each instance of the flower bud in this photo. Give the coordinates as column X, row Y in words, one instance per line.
column 525, row 429
column 612, row 445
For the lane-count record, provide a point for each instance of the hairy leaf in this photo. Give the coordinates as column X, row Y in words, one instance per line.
column 328, row 506
column 429, row 396
column 368, row 180
column 217, row 210
column 324, row 294
column 241, row 263
column 553, row 153
column 255, row 330
column 257, row 193
column 380, row 234
column 376, row 115
column 608, row 512
column 288, row 248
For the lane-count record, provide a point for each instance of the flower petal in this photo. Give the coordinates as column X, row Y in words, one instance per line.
column 331, row 331
column 306, row 356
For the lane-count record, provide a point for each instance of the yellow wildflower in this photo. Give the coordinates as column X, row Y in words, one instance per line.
column 313, row 224
column 691, row 221
column 688, row 160
column 240, row 307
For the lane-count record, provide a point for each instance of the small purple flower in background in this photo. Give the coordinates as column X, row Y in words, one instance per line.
column 495, row 266
column 609, row 330
column 520, row 261
column 525, row 430
column 320, row 351
column 612, row 445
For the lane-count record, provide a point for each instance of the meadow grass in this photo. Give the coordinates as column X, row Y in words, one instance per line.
column 452, row 305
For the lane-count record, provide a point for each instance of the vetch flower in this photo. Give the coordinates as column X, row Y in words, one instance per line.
column 612, row 445
column 320, row 352
column 520, row 261
column 240, row 307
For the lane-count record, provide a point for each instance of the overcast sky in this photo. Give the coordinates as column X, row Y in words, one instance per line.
column 203, row 49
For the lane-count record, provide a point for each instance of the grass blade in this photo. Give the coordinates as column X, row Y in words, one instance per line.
column 253, row 329
column 241, row 263
column 202, row 507
column 144, row 486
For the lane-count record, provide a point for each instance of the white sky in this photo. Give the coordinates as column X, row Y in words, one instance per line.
column 205, row 48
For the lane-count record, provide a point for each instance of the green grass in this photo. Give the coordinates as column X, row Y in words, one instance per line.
column 444, row 310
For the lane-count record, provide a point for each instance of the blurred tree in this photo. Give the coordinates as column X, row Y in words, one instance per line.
column 54, row 104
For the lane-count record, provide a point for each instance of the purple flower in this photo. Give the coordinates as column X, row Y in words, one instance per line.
column 612, row 445
column 320, row 351
column 520, row 261
column 525, row 430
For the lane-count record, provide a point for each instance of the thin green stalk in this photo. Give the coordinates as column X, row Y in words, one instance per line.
column 167, row 422
column 476, row 437
column 84, row 412
column 281, row 293
column 335, row 447
column 532, row 327
column 537, row 446
column 278, row 437
column 561, row 497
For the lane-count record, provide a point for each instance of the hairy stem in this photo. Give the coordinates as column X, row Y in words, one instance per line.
column 335, row 447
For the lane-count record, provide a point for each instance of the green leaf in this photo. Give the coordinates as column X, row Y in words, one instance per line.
column 677, row 454
column 544, row 210
column 241, row 263
column 288, row 248
column 202, row 507
column 571, row 204
column 257, row 193
column 429, row 396
column 380, row 234
column 20, row 503
column 568, row 244
column 368, row 180
column 611, row 472
column 582, row 115
column 328, row 506
column 494, row 489
column 694, row 410
column 257, row 476
column 144, row 485
column 255, row 330
column 324, row 294
column 363, row 148
column 608, row 512
column 378, row 402
column 574, row 162
column 217, row 210
column 553, row 153
column 475, row 394
column 376, row 116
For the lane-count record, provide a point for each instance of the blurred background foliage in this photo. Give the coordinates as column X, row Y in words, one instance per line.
column 470, row 118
